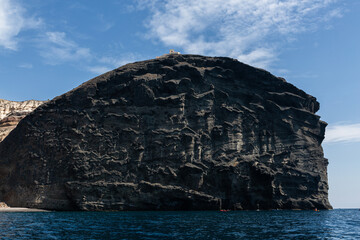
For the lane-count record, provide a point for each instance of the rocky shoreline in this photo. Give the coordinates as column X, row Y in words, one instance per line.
column 18, row 209
column 5, row 208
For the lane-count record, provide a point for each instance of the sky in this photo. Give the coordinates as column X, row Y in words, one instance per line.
column 50, row 47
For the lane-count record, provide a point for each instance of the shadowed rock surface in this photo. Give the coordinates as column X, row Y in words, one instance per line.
column 12, row 112
column 175, row 133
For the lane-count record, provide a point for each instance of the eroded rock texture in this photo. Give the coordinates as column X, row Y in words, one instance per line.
column 179, row 132
column 12, row 112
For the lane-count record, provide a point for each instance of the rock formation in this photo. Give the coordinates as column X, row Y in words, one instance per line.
column 175, row 133
column 12, row 112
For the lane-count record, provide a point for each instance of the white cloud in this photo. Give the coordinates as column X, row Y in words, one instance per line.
column 56, row 49
column 260, row 57
column 12, row 22
column 342, row 133
column 245, row 29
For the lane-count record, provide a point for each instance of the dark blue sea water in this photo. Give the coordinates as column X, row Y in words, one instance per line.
column 335, row 224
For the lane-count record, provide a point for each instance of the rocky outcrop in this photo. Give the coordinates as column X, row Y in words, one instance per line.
column 175, row 133
column 3, row 205
column 12, row 112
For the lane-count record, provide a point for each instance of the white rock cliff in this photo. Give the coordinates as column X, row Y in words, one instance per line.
column 11, row 112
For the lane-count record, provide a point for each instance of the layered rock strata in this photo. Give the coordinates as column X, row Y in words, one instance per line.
column 183, row 132
column 12, row 112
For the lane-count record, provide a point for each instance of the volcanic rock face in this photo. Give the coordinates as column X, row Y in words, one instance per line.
column 174, row 133
column 12, row 112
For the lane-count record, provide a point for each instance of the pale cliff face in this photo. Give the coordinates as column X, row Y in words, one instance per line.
column 12, row 112
column 9, row 107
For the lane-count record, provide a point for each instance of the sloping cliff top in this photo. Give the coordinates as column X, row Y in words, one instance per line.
column 174, row 133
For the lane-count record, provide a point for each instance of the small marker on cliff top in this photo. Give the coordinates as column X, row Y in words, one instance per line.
column 171, row 52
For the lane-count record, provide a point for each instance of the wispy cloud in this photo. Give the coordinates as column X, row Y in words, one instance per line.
column 57, row 48
column 105, row 24
column 98, row 69
column 342, row 133
column 117, row 62
column 108, row 63
column 12, row 22
column 26, row 65
column 251, row 31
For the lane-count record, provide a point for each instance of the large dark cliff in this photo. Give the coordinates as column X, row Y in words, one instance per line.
column 174, row 133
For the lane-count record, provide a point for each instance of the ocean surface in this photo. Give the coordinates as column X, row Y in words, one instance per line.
column 334, row 224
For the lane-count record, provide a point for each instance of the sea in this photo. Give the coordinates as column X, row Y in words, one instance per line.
column 282, row 224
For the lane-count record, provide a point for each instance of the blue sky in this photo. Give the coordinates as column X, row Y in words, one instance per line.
column 49, row 47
